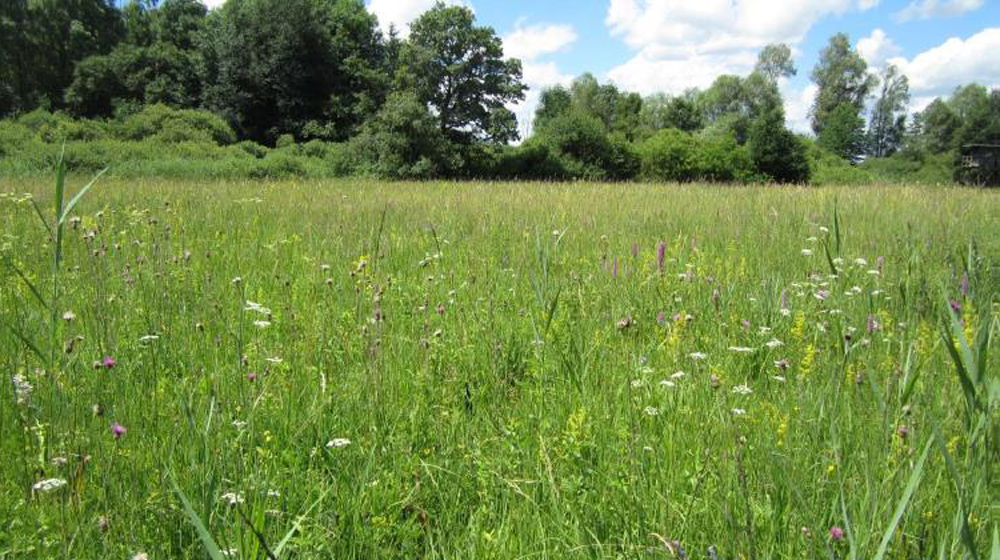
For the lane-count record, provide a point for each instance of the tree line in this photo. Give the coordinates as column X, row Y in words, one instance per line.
column 437, row 103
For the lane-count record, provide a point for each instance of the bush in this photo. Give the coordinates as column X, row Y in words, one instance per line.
column 582, row 149
column 185, row 124
column 777, row 152
column 285, row 141
column 721, row 160
column 669, row 155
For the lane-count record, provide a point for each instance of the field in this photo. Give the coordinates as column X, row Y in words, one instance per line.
column 354, row 369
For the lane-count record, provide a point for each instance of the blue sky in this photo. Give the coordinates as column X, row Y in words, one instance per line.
column 671, row 45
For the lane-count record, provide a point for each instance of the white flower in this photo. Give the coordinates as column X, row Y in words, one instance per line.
column 874, row 272
column 860, row 262
column 273, row 494
column 229, row 552
column 239, row 424
column 785, row 312
column 636, row 383
column 338, row 443
column 651, row 411
column 677, row 375
column 232, row 498
column 742, row 389
column 262, row 324
column 697, row 356
column 741, row 349
column 667, row 383
column 237, row 280
column 807, row 252
column 22, row 388
column 838, row 261
column 824, row 229
column 274, row 360
column 257, row 308
column 778, row 378
column 149, row 338
column 69, row 316
column 140, row 556
column 774, row 343
column 48, row 485
column 739, row 412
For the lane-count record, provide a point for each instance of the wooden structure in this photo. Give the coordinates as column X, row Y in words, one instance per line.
column 978, row 164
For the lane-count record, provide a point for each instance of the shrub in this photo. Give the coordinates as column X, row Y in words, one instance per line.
column 669, row 155
column 777, row 152
column 184, row 124
column 582, row 149
column 285, row 141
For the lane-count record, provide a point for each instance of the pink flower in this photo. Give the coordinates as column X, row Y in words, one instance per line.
column 836, row 533
column 108, row 362
column 661, row 255
column 252, row 376
column 118, row 430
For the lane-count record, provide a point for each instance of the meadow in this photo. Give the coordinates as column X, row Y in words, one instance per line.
column 361, row 369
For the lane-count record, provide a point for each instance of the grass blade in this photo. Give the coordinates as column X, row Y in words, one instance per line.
column 34, row 290
column 206, row 538
column 967, row 539
column 73, row 202
column 298, row 523
column 915, row 477
column 41, row 216
column 27, row 342
column 995, row 552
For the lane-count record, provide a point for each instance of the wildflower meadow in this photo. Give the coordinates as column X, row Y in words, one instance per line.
column 361, row 369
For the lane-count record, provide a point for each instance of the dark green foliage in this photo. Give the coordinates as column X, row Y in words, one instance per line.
column 583, row 149
column 403, row 141
column 304, row 67
column 660, row 111
column 669, row 155
column 458, row 69
column 776, row 152
column 843, row 132
column 159, row 62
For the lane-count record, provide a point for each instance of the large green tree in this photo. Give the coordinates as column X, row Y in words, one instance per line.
column 311, row 68
column 842, row 77
column 159, row 61
column 888, row 118
column 458, row 69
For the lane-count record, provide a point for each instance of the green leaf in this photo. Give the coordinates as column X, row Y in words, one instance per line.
column 73, row 202
column 206, row 538
column 995, row 552
column 41, row 217
column 911, row 486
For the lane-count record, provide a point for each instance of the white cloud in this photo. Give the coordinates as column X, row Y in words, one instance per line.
column 400, row 13
column 939, row 70
column 212, row 4
column 531, row 44
column 683, row 44
column 927, row 9
column 797, row 105
column 877, row 48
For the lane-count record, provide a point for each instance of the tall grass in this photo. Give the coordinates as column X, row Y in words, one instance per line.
column 355, row 369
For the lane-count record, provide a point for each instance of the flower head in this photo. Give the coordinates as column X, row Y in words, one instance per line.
column 108, row 362
column 118, row 430
column 48, row 485
column 836, row 533
column 338, row 443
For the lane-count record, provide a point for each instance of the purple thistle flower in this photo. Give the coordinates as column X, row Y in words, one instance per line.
column 836, row 533
column 661, row 255
column 118, row 430
column 108, row 362
column 964, row 286
column 252, row 376
column 956, row 307
column 903, row 431
column 614, row 268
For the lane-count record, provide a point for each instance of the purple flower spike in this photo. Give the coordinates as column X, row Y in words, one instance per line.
column 964, row 286
column 614, row 268
column 956, row 307
column 661, row 255
column 118, row 430
column 108, row 362
column 871, row 325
